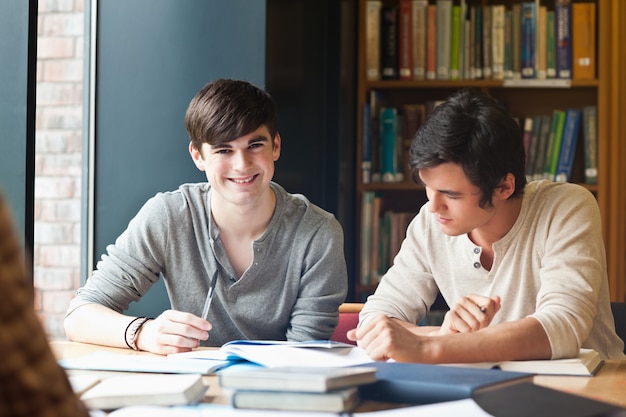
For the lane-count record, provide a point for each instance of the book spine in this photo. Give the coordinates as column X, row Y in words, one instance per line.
column 528, row 40
column 375, row 241
column 542, row 32
column 487, row 41
column 366, row 236
column 388, row 140
column 372, row 39
column 544, row 136
column 590, row 138
column 498, row 38
column 366, row 156
column 478, row 42
column 532, row 148
column 444, row 24
column 527, row 131
column 431, row 42
column 554, row 146
column 583, row 41
column 568, row 145
column 550, row 45
column 455, row 44
column 389, row 42
column 516, row 40
column 563, row 38
column 405, row 41
column 419, row 38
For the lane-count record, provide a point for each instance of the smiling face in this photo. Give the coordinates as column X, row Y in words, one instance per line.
column 454, row 200
column 239, row 171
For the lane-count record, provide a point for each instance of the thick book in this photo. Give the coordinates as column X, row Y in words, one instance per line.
column 388, row 142
column 444, row 28
column 431, row 41
column 389, row 42
column 497, row 41
column 528, row 39
column 590, row 140
column 296, row 378
column 542, row 36
column 418, row 20
column 568, row 145
column 563, row 37
column 586, row 363
column 417, row 383
column 583, row 41
column 372, row 39
column 138, row 389
column 405, row 40
column 337, row 401
column 553, row 147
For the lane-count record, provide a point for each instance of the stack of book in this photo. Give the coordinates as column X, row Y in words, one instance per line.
column 296, row 388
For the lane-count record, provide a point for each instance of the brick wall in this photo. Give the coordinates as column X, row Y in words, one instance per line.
column 58, row 159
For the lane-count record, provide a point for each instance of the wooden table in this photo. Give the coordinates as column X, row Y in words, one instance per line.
column 608, row 385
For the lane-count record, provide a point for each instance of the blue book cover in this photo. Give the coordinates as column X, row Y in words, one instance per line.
column 388, row 142
column 563, row 38
column 528, row 39
column 417, row 383
column 568, row 144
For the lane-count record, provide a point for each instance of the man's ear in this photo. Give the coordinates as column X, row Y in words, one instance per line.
column 506, row 187
column 276, row 147
column 196, row 155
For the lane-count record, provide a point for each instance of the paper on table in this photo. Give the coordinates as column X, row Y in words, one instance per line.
column 281, row 354
column 108, row 361
column 465, row 408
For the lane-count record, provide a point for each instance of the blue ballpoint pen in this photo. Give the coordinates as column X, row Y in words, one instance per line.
column 209, row 296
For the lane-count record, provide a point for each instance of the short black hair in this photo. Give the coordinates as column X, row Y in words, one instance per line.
column 473, row 130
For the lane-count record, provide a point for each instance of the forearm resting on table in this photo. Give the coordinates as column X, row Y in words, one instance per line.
column 523, row 339
column 97, row 324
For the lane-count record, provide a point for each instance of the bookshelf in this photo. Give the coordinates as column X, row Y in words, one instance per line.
column 525, row 97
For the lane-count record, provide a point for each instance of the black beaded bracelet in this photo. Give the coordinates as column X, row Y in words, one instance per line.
column 138, row 322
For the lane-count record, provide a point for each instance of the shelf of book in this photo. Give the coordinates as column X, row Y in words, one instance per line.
column 526, row 97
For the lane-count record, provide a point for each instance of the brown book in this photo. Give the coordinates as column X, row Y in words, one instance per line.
column 372, row 39
column 584, row 40
column 405, row 41
column 431, row 42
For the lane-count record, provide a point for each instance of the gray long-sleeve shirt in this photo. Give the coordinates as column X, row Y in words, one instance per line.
column 292, row 289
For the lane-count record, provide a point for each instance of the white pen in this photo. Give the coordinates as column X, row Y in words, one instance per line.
column 209, row 296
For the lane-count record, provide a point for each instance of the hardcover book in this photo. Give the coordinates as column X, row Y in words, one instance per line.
column 372, row 39
column 337, row 401
column 419, row 38
column 563, row 38
column 153, row 389
column 568, row 145
column 389, row 42
column 584, row 40
column 296, row 378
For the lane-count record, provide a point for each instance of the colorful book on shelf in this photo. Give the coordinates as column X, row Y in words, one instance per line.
column 544, row 136
column 550, row 45
column 553, row 147
column 418, row 20
column 389, row 42
column 455, row 43
column 532, row 147
column 444, row 27
column 367, row 199
column 296, row 378
column 388, row 144
column 431, row 42
column 498, row 37
column 583, row 41
column 405, row 40
column 590, row 140
column 568, row 145
column 563, row 37
column 416, row 383
column 143, row 389
column 366, row 144
column 372, row 39
column 487, row 41
column 337, row 401
column 542, row 34
column 528, row 39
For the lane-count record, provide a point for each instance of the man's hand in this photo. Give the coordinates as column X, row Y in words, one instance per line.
column 386, row 338
column 173, row 332
column 469, row 314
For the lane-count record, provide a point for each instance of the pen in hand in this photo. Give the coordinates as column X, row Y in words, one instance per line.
column 209, row 296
